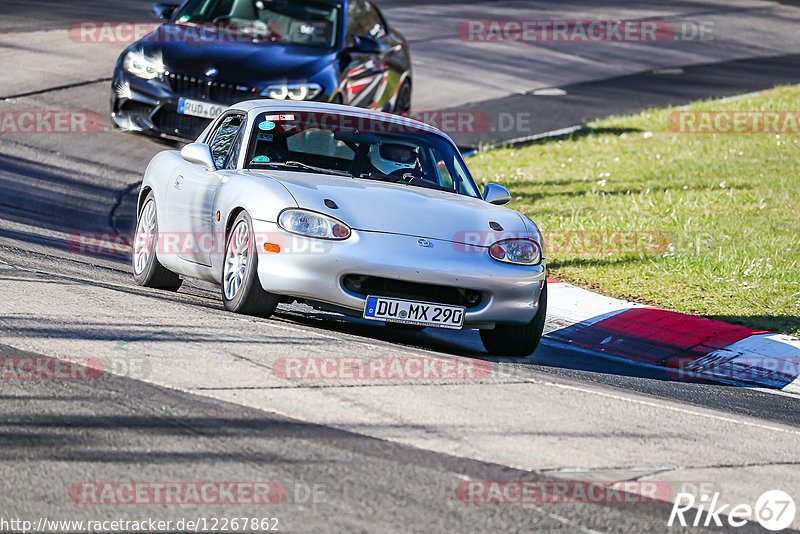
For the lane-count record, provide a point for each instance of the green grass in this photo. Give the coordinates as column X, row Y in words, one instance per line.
column 729, row 204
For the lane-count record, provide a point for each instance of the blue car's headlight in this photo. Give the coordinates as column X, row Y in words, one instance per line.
column 142, row 65
column 517, row 251
column 292, row 91
column 313, row 224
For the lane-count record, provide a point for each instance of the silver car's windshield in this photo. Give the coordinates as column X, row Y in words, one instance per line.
column 393, row 150
column 283, row 21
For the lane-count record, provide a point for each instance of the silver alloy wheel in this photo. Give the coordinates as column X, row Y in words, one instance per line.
column 236, row 257
column 144, row 238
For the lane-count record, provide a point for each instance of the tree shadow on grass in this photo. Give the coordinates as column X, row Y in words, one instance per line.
column 586, row 131
column 597, row 261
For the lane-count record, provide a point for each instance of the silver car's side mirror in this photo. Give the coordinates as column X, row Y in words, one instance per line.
column 496, row 194
column 199, row 154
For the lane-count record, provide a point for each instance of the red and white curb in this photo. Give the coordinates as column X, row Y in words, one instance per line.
column 685, row 345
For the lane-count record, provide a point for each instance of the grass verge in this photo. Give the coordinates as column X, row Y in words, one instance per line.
column 702, row 223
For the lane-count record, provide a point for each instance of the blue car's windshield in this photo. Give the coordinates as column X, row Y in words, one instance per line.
column 284, row 21
column 393, row 149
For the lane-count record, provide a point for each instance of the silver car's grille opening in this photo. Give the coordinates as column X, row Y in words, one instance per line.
column 401, row 289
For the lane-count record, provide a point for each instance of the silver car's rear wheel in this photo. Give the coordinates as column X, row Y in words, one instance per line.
column 145, row 235
column 147, row 271
column 241, row 289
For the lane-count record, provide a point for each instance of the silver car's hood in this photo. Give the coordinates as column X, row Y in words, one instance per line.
column 399, row 209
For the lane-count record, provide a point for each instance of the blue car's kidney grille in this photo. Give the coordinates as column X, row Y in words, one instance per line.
column 213, row 91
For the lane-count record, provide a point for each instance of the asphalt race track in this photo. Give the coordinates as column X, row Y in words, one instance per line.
column 193, row 394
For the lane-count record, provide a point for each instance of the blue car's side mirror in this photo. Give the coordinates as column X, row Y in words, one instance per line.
column 164, row 11
column 364, row 44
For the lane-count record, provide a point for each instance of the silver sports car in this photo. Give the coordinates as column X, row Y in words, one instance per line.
column 359, row 212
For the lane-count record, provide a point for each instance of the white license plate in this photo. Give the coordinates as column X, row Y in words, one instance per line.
column 413, row 312
column 196, row 108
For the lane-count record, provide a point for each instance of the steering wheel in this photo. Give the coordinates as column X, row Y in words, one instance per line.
column 407, row 175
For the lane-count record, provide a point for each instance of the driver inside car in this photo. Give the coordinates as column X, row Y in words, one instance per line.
column 395, row 159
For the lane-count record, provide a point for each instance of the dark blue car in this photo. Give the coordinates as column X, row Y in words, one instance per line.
column 210, row 54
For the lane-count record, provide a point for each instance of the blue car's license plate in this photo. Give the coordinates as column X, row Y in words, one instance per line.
column 412, row 312
column 197, row 108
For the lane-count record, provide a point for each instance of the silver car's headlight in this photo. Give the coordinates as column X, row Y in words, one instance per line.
column 313, row 224
column 143, row 66
column 292, row 91
column 517, row 251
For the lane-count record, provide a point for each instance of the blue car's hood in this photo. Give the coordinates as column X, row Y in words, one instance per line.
column 237, row 60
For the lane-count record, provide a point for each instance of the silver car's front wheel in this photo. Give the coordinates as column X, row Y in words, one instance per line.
column 241, row 290
column 517, row 341
column 236, row 259
column 147, row 271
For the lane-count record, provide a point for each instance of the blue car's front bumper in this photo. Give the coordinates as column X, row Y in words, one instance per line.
column 151, row 106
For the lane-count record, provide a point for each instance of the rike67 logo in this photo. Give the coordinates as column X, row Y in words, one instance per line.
column 774, row 510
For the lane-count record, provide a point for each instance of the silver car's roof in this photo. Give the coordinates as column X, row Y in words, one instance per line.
column 268, row 105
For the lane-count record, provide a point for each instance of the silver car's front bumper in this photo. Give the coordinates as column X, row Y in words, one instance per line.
column 314, row 269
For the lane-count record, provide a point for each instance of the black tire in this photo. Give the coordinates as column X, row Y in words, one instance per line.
column 149, row 272
column 517, row 341
column 249, row 298
column 402, row 106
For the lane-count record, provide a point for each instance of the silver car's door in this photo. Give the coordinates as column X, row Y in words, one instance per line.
column 194, row 188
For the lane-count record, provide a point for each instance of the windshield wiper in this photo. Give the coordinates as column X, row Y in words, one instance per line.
column 381, row 177
column 296, row 165
column 415, row 181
